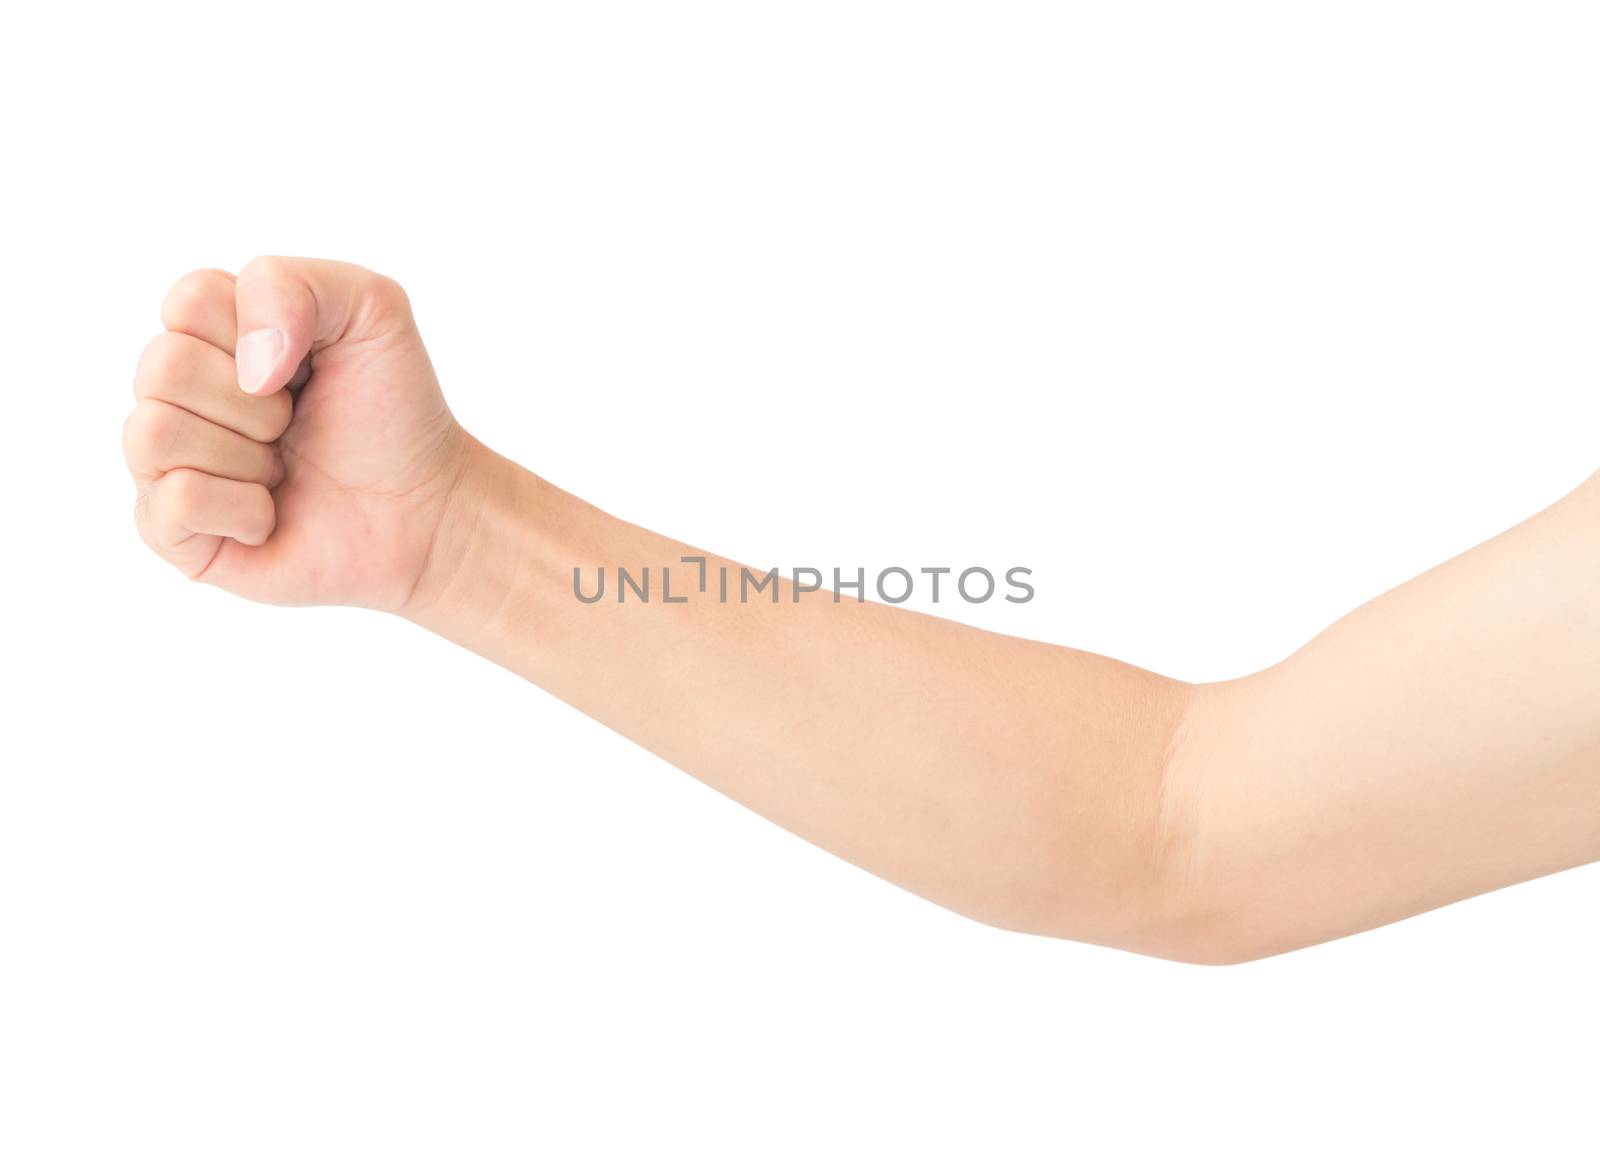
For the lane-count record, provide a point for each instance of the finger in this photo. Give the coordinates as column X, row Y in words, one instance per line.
column 184, row 515
column 180, row 369
column 160, row 438
column 201, row 304
column 290, row 307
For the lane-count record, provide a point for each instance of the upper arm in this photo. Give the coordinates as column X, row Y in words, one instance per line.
column 1438, row 742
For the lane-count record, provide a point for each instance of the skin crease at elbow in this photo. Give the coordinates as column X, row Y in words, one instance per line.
column 291, row 444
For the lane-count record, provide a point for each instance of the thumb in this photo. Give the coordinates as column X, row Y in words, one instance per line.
column 289, row 308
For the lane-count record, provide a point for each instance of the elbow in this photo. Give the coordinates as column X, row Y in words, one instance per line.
column 1207, row 939
column 1199, row 888
column 1187, row 909
column 1189, row 874
column 1206, row 898
column 1189, row 924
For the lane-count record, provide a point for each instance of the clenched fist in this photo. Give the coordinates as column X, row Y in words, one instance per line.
column 290, row 441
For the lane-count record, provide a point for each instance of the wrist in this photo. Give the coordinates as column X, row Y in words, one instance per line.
column 481, row 546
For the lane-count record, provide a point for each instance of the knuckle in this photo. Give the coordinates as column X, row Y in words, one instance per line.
column 161, row 362
column 193, row 296
column 384, row 304
column 389, row 293
column 148, row 434
column 182, row 490
column 263, row 266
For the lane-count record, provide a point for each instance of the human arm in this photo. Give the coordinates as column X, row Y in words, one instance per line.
column 1437, row 743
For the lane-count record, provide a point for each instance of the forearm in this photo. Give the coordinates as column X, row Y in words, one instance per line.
column 1011, row 780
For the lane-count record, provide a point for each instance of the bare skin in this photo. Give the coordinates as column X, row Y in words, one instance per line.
column 292, row 445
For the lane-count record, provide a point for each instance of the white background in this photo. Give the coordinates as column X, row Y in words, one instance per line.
column 1222, row 317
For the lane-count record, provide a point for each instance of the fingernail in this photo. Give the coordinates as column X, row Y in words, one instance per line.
column 257, row 357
